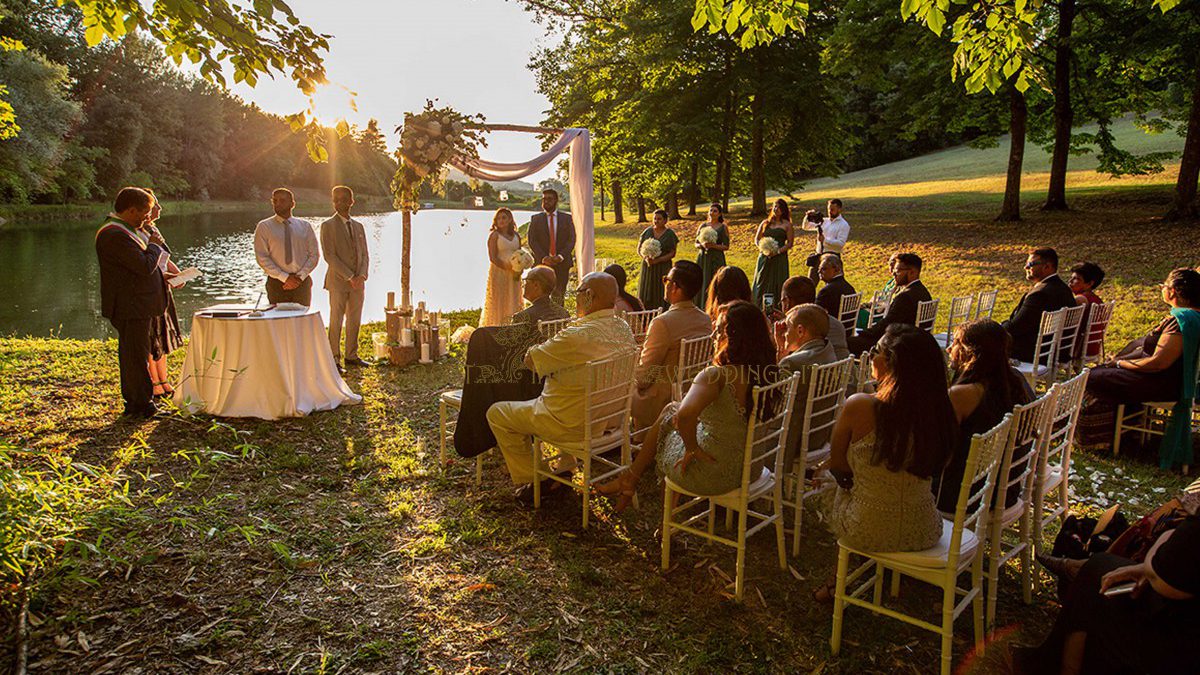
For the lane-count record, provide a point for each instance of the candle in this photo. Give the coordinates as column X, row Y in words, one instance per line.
column 425, row 353
column 391, row 300
column 406, row 337
column 441, row 345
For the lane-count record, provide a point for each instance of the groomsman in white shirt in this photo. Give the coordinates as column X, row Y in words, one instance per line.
column 344, row 243
column 832, row 234
column 286, row 249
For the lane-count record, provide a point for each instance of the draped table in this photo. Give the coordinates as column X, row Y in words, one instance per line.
column 269, row 365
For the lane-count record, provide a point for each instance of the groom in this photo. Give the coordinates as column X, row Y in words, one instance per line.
column 552, row 238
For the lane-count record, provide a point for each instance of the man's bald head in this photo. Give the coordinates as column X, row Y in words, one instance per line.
column 539, row 281
column 601, row 291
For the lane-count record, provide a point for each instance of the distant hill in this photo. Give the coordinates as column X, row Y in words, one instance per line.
column 511, row 185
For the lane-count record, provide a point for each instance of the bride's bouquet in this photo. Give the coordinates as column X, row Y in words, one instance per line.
column 650, row 248
column 521, row 260
column 706, row 235
column 768, row 246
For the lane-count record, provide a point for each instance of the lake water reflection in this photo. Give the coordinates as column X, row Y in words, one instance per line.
column 49, row 277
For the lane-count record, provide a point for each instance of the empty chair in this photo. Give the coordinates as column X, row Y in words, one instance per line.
column 848, row 311
column 927, row 314
column 1072, row 335
column 1045, row 352
column 1054, row 463
column 1096, row 323
column 960, row 312
column 985, row 304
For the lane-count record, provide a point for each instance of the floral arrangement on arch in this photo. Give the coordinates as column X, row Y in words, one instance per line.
column 428, row 140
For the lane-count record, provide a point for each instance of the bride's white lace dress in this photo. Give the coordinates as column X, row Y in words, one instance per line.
column 503, row 298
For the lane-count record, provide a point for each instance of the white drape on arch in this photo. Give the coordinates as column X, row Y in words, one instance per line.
column 579, row 143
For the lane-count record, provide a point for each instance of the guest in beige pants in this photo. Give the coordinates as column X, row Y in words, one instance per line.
column 344, row 242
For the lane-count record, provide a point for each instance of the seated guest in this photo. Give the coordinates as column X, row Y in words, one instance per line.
column 728, row 284
column 700, row 443
column 626, row 301
column 1150, row 630
column 984, row 390
column 557, row 415
column 804, row 345
column 1158, row 367
column 903, row 308
column 538, row 289
column 830, row 295
column 1085, row 277
column 886, row 447
column 660, row 352
column 1049, row 294
column 798, row 291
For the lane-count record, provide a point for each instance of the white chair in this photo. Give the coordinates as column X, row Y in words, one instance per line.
column 959, row 550
column 825, row 392
column 1018, row 467
column 1071, row 335
column 1054, row 464
column 695, row 355
column 878, row 308
column 927, row 314
column 639, row 322
column 765, row 438
column 1098, row 318
column 1151, row 418
column 863, row 381
column 550, row 328
column 985, row 304
column 848, row 311
column 608, row 393
column 1045, row 350
column 452, row 401
column 960, row 313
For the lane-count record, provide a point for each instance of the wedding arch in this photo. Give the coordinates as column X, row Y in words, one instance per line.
column 437, row 137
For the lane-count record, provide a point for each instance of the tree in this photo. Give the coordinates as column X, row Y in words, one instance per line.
column 31, row 160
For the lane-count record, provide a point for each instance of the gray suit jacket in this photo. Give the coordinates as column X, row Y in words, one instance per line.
column 346, row 257
column 810, row 354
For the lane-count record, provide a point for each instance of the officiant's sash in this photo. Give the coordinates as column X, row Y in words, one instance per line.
column 117, row 224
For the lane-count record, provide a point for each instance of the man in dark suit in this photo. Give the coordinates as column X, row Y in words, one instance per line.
column 1049, row 293
column 830, row 295
column 552, row 238
column 903, row 308
column 132, row 292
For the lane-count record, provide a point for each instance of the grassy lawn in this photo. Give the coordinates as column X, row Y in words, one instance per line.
column 335, row 543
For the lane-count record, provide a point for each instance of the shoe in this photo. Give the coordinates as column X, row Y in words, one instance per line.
column 1060, row 567
column 146, row 411
column 524, row 494
column 1025, row 660
column 356, row 362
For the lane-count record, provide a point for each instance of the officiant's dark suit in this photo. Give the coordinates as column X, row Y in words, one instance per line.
column 132, row 292
column 563, row 244
column 1048, row 295
column 902, row 310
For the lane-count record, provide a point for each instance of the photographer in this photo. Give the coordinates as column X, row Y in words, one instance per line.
column 832, row 233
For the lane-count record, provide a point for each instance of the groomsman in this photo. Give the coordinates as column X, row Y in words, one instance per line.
column 286, row 249
column 344, row 243
column 552, row 238
column 132, row 292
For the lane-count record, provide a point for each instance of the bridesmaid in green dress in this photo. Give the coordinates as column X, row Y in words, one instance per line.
column 650, row 284
column 772, row 271
column 712, row 256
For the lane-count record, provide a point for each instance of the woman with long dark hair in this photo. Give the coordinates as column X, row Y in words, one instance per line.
column 654, row 268
column 985, row 389
column 772, row 268
column 626, row 302
column 712, row 253
column 727, row 285
column 700, row 443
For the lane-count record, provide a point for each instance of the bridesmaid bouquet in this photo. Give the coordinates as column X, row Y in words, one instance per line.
column 650, row 248
column 463, row 335
column 706, row 235
column 768, row 246
column 521, row 260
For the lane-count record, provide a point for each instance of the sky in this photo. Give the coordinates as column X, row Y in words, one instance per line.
column 394, row 54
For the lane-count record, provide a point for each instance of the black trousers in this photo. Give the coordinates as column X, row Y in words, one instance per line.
column 301, row 294
column 133, row 355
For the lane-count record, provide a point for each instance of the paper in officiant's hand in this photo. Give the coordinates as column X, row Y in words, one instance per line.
column 184, row 276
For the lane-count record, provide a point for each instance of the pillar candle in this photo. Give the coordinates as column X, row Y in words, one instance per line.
column 406, row 337
column 441, row 346
column 425, row 353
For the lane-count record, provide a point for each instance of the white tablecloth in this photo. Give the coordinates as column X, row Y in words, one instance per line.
column 271, row 366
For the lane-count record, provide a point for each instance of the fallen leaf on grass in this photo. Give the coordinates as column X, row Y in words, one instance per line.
column 211, row 662
column 481, row 587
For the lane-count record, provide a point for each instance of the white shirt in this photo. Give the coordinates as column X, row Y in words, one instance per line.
column 269, row 238
column 837, row 231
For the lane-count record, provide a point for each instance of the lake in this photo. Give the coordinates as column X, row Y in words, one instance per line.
column 51, row 280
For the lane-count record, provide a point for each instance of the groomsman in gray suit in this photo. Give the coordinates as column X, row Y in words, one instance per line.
column 344, row 242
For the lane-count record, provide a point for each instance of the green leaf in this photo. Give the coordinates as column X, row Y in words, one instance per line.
column 343, row 128
column 936, row 20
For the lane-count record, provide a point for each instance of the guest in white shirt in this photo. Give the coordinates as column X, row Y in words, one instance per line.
column 286, row 249
column 832, row 234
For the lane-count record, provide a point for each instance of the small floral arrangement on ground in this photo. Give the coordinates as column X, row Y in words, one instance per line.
column 650, row 248
column 428, row 140
column 521, row 260
column 706, row 235
column 768, row 246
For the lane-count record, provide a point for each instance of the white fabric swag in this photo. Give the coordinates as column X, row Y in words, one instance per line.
column 579, row 178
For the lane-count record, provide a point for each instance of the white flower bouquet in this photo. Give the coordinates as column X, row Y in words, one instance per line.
column 768, row 246
column 706, row 235
column 463, row 335
column 521, row 260
column 650, row 248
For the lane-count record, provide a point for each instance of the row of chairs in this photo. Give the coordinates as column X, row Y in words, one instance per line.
column 961, row 308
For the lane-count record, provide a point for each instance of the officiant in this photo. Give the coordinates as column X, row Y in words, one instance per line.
column 552, row 238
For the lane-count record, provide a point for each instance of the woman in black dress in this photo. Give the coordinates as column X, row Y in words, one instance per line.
column 165, row 336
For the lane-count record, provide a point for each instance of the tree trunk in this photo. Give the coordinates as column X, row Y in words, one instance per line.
column 725, row 189
column 721, row 191
column 618, row 213
column 641, row 202
column 758, row 174
column 718, row 179
column 1184, row 204
column 601, row 200
column 1064, row 114
column 1011, row 210
column 405, row 257
column 672, row 206
column 694, row 190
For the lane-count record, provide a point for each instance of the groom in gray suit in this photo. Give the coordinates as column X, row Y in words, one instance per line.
column 552, row 238
column 344, row 243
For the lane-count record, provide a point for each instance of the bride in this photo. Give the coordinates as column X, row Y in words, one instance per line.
column 503, row 297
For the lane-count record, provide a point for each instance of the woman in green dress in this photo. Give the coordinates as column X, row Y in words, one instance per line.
column 712, row 254
column 772, row 270
column 650, row 283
